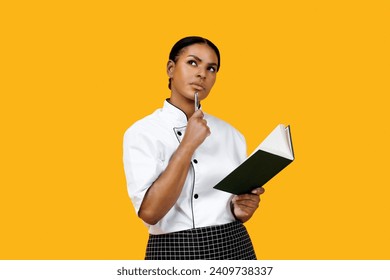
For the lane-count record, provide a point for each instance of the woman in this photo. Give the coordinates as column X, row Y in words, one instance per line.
column 175, row 156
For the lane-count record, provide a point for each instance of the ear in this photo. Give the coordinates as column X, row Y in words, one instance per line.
column 170, row 68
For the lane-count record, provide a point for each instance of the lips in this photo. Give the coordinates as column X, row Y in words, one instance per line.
column 197, row 86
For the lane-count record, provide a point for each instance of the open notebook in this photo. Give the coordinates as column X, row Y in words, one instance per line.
column 267, row 160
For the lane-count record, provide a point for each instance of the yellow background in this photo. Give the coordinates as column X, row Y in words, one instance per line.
column 76, row 74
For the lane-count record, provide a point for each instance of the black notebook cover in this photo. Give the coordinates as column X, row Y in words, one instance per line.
column 257, row 170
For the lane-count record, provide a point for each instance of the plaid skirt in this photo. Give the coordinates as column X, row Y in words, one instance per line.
column 223, row 242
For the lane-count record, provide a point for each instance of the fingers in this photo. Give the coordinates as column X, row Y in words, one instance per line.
column 252, row 196
column 208, row 131
column 197, row 119
column 244, row 208
column 200, row 115
column 197, row 130
column 245, row 205
column 249, row 200
column 197, row 114
column 258, row 191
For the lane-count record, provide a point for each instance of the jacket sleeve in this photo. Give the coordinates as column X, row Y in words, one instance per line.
column 142, row 164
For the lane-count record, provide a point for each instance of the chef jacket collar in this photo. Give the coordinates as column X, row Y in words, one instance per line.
column 175, row 114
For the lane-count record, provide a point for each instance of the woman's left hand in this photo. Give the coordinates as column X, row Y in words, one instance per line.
column 245, row 205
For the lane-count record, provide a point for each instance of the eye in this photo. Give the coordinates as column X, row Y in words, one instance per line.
column 212, row 69
column 192, row 62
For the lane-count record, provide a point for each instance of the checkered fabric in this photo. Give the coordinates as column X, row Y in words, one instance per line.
column 225, row 242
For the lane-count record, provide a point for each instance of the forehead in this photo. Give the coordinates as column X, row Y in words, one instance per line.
column 202, row 51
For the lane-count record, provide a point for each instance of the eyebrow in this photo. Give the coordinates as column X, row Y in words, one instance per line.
column 200, row 60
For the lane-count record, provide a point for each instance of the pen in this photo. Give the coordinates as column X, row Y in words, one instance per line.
column 196, row 101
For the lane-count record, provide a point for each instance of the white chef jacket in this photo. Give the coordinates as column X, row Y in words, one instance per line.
column 147, row 148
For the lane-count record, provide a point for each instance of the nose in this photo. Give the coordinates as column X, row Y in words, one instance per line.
column 201, row 73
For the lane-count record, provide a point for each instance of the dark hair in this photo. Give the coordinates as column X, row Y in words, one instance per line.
column 187, row 41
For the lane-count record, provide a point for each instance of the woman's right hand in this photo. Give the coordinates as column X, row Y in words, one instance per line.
column 164, row 192
column 196, row 131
